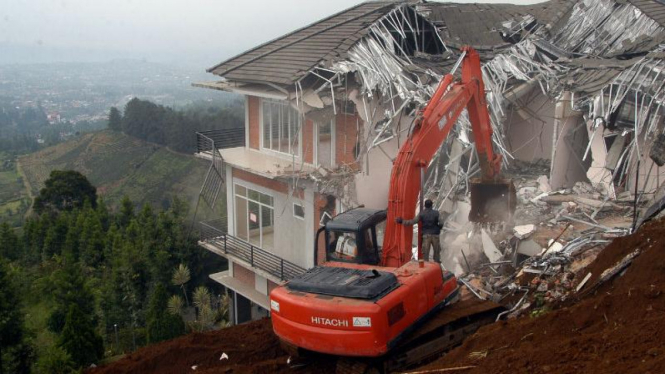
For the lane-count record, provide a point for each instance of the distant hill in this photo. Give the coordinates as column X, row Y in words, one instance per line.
column 119, row 165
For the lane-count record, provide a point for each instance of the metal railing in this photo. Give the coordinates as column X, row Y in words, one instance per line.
column 212, row 232
column 206, row 141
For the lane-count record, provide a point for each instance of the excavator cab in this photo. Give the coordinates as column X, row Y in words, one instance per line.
column 355, row 236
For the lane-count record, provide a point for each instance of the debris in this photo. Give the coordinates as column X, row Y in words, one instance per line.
column 583, row 282
column 544, row 184
column 489, row 247
column 224, row 357
column 553, row 247
column 471, row 288
column 442, row 370
column 523, row 232
column 529, row 248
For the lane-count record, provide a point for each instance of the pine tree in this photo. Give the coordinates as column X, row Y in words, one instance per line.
column 11, row 318
column 115, row 119
column 161, row 324
column 56, row 236
column 126, row 212
column 9, row 243
column 70, row 289
column 55, row 361
column 79, row 339
column 103, row 214
column 91, row 242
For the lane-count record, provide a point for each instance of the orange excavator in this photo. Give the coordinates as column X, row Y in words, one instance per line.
column 367, row 299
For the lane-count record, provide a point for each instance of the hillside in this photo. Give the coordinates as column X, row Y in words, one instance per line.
column 14, row 199
column 120, row 165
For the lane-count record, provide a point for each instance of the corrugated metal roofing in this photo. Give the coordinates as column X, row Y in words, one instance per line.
column 479, row 24
column 653, row 9
column 286, row 59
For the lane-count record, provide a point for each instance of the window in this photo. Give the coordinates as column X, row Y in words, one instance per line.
column 281, row 127
column 254, row 215
column 324, row 144
column 298, row 211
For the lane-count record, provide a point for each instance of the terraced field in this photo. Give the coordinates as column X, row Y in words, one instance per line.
column 14, row 200
column 120, row 165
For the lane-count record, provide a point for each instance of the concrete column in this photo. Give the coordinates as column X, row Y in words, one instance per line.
column 569, row 141
column 230, row 201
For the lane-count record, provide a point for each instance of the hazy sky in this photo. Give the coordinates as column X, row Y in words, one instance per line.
column 188, row 31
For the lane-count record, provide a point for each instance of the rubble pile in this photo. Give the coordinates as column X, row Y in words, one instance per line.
column 614, row 324
column 540, row 260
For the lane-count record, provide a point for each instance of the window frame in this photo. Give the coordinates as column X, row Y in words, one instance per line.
column 262, row 129
column 261, row 205
column 303, row 211
column 333, row 145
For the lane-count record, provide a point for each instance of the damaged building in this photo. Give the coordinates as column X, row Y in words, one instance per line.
column 575, row 95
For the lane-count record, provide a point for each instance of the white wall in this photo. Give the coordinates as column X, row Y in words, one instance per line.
column 293, row 237
column 529, row 129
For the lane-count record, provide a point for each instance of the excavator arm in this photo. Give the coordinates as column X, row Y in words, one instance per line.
column 431, row 130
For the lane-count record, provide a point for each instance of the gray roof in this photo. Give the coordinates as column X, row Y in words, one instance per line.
column 479, row 24
column 288, row 58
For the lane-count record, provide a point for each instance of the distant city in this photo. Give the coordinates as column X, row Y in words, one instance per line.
column 84, row 92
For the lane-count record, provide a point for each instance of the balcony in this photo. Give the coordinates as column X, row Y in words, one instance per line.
column 215, row 239
column 206, row 141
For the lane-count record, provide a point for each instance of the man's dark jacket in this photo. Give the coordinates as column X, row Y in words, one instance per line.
column 430, row 220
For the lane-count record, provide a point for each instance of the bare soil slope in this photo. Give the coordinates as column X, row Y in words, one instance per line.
column 619, row 328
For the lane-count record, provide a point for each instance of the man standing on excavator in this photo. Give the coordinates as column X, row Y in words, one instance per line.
column 431, row 228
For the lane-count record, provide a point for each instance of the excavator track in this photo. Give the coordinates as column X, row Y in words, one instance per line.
column 442, row 332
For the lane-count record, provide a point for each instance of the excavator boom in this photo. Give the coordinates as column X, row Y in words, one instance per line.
column 431, row 130
column 362, row 304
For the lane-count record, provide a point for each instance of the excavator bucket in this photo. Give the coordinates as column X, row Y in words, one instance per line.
column 493, row 201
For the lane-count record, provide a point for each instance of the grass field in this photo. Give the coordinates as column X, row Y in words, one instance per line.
column 120, row 165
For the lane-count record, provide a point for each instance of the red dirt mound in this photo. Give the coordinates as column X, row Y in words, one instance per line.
column 243, row 345
column 619, row 328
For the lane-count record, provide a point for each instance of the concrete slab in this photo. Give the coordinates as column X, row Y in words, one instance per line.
column 489, row 247
column 529, row 248
column 266, row 164
column 524, row 231
column 242, row 288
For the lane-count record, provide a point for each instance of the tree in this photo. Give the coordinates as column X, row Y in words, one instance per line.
column 161, row 324
column 11, row 318
column 9, row 243
column 180, row 277
column 176, row 306
column 65, row 190
column 126, row 212
column 55, row 361
column 205, row 318
column 56, row 236
column 115, row 119
column 91, row 242
column 79, row 339
column 70, row 289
